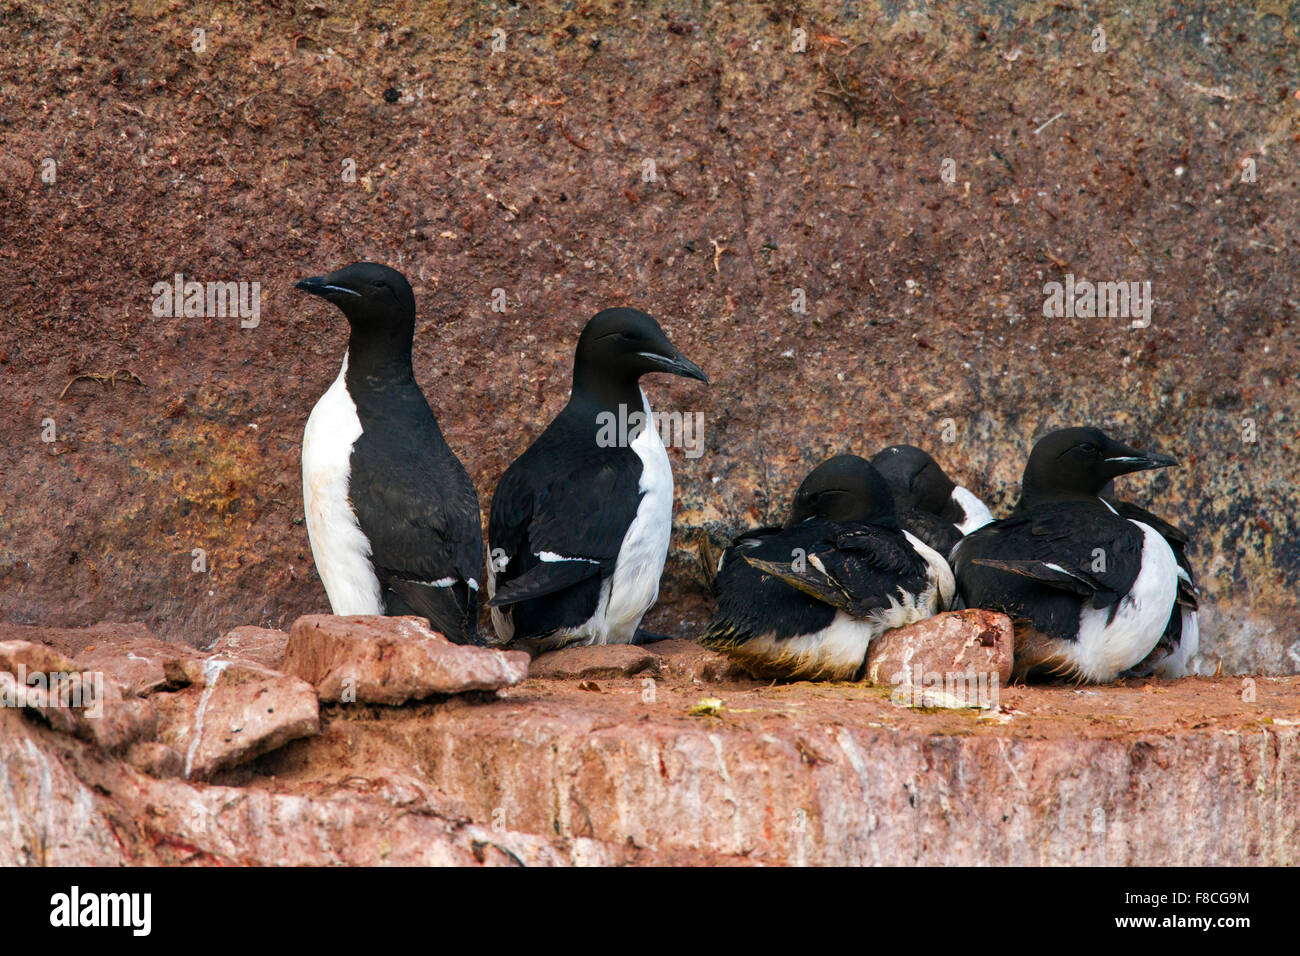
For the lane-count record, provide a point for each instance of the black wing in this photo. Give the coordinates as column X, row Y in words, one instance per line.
column 858, row 571
column 752, row 603
column 1044, row 563
column 555, row 529
column 792, row 582
column 419, row 509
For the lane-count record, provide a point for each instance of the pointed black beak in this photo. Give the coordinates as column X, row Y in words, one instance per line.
column 675, row 363
column 320, row 285
column 1124, row 460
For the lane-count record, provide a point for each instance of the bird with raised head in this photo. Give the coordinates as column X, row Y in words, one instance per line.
column 580, row 522
column 392, row 515
column 1089, row 590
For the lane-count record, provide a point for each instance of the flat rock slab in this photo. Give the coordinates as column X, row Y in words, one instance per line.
column 594, row 662
column 938, row 657
column 229, row 712
column 258, row 645
column 391, row 660
column 137, row 665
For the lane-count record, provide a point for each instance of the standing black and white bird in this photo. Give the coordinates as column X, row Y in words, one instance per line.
column 580, row 521
column 930, row 504
column 1090, row 591
column 805, row 601
column 1181, row 639
column 392, row 515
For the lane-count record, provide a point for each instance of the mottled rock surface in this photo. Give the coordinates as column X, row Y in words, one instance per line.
column 390, row 660
column 688, row 661
column 592, row 663
column 228, row 712
column 258, row 645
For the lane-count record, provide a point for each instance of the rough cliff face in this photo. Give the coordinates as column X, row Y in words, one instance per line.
column 848, row 214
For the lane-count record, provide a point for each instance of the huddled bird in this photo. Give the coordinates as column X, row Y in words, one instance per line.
column 804, row 601
column 391, row 513
column 930, row 505
column 1181, row 639
column 580, row 522
column 1090, row 590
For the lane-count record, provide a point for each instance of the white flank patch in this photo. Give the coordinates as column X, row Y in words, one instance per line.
column 634, row 587
column 338, row 545
column 1104, row 650
column 977, row 513
column 502, row 622
column 1179, row 663
column 941, row 593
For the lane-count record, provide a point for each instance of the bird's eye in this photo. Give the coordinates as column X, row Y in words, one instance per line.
column 1088, row 446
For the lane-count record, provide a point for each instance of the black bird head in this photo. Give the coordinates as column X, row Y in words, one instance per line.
column 618, row 346
column 1080, row 462
column 915, row 478
column 847, row 489
column 377, row 300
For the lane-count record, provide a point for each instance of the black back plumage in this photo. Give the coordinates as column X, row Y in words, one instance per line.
column 842, row 549
column 1098, row 554
column 864, row 565
column 564, row 496
column 412, row 497
column 416, row 503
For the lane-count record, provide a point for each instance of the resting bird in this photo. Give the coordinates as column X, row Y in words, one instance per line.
column 930, row 505
column 580, row 521
column 805, row 601
column 1090, row 591
column 391, row 513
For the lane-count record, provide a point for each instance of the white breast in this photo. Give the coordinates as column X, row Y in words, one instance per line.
column 634, row 587
column 338, row 545
column 836, row 652
column 1104, row 650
